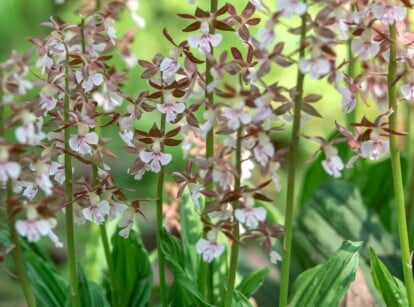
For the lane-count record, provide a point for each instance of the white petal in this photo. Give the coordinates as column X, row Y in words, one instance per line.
column 21, row 227
column 166, row 63
column 219, row 250
column 146, row 156
column 97, row 79
column 240, row 215
column 88, row 214
column 202, row 245
column 300, row 8
column 162, row 107
column 366, row 148
column 43, row 227
column 104, row 207
column 303, row 66
column 13, row 169
column 215, row 39
column 155, row 166
column 125, row 232
column 179, row 107
column 54, row 238
column 194, row 40
column 245, row 118
column 92, row 138
column 260, row 213
column 165, row 158
column 78, row 76
column 408, row 91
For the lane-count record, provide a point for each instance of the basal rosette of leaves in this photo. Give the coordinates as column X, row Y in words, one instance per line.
column 211, row 143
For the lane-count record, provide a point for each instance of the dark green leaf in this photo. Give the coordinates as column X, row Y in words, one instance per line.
column 252, row 282
column 49, row 288
column 191, row 232
column 90, row 294
column 392, row 289
column 239, row 300
column 327, row 283
column 132, row 271
column 174, row 256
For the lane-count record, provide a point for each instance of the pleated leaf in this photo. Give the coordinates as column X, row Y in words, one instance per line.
column 326, row 284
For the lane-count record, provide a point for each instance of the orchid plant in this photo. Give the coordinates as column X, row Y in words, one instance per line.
column 207, row 128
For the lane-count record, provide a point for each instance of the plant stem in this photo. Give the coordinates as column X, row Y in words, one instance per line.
column 18, row 254
column 160, row 190
column 68, row 190
column 410, row 154
column 236, row 229
column 104, row 236
column 205, row 278
column 351, row 73
column 293, row 158
column 14, row 238
column 2, row 119
column 410, row 173
column 102, row 227
column 396, row 168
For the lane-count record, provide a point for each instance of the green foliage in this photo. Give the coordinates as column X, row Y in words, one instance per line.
column 338, row 210
column 327, row 283
column 252, row 282
column 90, row 294
column 372, row 178
column 392, row 289
column 184, row 283
column 191, row 232
column 49, row 288
column 240, row 300
column 132, row 271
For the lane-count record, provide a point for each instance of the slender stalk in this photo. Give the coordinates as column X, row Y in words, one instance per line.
column 160, row 194
column 351, row 73
column 205, row 278
column 2, row 119
column 104, row 238
column 14, row 238
column 410, row 173
column 98, row 5
column 236, row 230
column 293, row 160
column 396, row 169
column 18, row 254
column 102, row 227
column 410, row 155
column 69, row 193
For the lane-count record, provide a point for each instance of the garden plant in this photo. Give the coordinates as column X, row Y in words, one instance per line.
column 265, row 159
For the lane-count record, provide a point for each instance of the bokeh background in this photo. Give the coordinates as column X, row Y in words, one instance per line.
column 20, row 20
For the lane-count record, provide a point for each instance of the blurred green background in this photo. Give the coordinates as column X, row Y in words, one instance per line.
column 20, row 19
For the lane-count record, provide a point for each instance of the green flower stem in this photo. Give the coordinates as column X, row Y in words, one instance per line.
column 14, row 238
column 351, row 73
column 236, row 230
column 2, row 119
column 410, row 154
column 410, row 173
column 102, row 227
column 18, row 254
column 205, row 278
column 69, row 193
column 160, row 194
column 104, row 237
column 293, row 160
column 210, row 95
column 396, row 169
